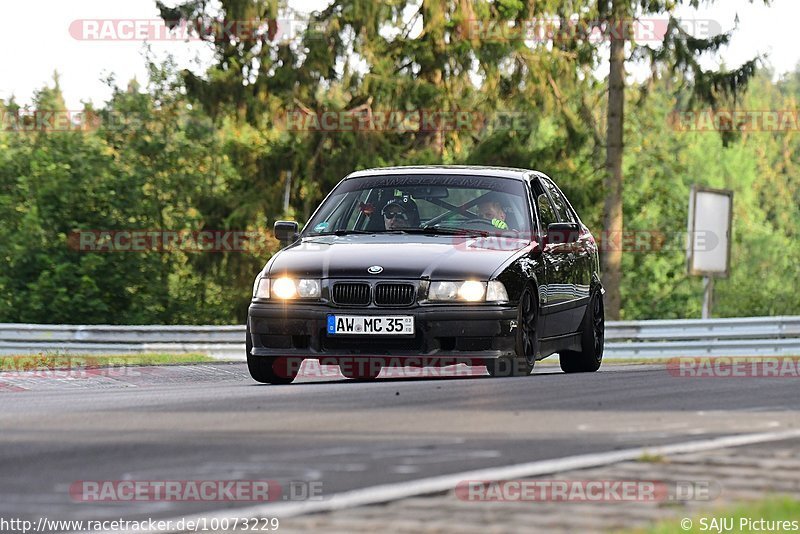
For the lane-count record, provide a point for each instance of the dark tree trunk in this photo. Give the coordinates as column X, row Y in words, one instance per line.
column 433, row 23
column 612, row 208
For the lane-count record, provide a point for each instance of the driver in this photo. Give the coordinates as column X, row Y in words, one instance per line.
column 490, row 208
column 400, row 212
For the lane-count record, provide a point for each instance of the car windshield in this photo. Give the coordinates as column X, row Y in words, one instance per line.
column 425, row 204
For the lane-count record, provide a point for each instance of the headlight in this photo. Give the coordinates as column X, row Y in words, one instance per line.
column 308, row 289
column 472, row 291
column 287, row 288
column 496, row 292
column 443, row 291
column 284, row 288
column 467, row 291
column 261, row 288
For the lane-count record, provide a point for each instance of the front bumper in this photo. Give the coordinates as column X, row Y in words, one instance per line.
column 441, row 331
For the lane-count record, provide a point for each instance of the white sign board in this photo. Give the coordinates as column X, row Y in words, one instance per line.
column 710, row 215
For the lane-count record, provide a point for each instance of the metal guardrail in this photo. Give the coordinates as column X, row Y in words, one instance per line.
column 224, row 342
column 751, row 336
column 747, row 336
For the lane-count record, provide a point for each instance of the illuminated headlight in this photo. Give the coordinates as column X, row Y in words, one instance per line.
column 287, row 288
column 261, row 288
column 472, row 291
column 284, row 288
column 467, row 291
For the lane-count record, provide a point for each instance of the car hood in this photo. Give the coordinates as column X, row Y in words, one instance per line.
column 401, row 256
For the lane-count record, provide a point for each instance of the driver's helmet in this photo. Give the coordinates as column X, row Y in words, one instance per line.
column 409, row 207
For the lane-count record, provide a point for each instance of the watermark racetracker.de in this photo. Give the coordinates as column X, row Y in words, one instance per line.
column 202, row 29
column 582, row 491
column 164, row 240
column 560, row 29
column 633, row 241
column 734, row 367
column 111, row 491
column 740, row 120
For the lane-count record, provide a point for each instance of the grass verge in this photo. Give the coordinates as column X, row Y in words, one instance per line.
column 48, row 361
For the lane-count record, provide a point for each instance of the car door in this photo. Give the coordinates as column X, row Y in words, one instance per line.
column 584, row 248
column 551, row 285
column 565, row 303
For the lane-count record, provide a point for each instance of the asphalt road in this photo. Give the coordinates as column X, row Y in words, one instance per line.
column 210, row 422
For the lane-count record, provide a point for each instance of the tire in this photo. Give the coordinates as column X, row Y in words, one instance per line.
column 589, row 358
column 270, row 369
column 526, row 343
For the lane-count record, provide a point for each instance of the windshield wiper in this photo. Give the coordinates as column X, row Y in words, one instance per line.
column 442, row 230
column 349, row 232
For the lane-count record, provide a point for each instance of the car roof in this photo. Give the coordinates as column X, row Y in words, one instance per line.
column 464, row 170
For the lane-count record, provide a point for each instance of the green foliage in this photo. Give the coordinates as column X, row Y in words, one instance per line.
column 210, row 151
column 152, row 165
column 760, row 166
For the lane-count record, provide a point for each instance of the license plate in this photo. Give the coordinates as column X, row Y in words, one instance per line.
column 371, row 325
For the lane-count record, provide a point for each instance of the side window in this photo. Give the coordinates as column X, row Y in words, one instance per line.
column 546, row 211
column 559, row 202
column 544, row 207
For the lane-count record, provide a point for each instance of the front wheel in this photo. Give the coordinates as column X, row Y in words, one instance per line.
column 269, row 369
column 526, row 344
column 272, row 370
column 589, row 358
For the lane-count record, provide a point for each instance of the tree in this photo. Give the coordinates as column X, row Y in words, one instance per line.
column 678, row 54
column 612, row 207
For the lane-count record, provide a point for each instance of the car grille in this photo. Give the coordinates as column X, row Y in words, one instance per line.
column 351, row 293
column 394, row 294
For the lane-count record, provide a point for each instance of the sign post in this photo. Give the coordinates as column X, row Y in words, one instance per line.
column 708, row 250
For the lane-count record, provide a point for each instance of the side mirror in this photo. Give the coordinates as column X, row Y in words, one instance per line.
column 286, row 231
column 561, row 233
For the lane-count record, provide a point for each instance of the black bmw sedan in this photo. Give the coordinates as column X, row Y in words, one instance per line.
column 430, row 266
